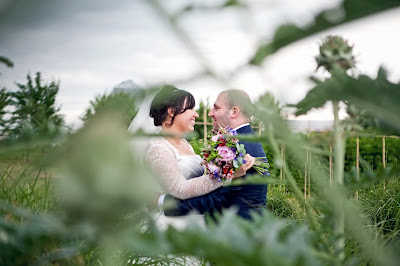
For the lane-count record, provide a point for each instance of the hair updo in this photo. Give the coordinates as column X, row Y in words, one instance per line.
column 170, row 97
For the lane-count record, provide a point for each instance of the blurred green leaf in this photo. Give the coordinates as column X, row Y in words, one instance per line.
column 348, row 11
column 263, row 241
column 379, row 96
column 103, row 180
column 236, row 3
column 6, row 61
column 22, row 242
column 369, row 176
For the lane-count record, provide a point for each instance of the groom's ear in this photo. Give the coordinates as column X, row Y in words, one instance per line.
column 234, row 112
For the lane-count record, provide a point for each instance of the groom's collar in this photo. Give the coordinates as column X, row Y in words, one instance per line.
column 242, row 125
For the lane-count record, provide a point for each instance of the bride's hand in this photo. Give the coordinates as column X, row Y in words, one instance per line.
column 250, row 160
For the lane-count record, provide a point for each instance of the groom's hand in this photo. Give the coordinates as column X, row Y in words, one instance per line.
column 250, row 160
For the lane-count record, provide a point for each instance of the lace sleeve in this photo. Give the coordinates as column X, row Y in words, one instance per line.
column 163, row 161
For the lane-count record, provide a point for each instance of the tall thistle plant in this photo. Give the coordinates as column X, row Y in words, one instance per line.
column 337, row 55
column 379, row 95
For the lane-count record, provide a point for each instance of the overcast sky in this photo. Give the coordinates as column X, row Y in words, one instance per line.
column 90, row 46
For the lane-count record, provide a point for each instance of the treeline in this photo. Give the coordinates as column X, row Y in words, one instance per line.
column 31, row 110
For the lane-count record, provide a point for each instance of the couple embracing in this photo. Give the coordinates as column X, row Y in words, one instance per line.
column 180, row 171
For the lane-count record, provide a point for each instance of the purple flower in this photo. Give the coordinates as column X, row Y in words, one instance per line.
column 217, row 176
column 216, row 173
column 233, row 132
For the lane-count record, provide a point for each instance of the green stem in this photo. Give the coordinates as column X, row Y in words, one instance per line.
column 338, row 156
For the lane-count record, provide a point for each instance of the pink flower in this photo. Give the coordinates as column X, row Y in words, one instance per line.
column 215, row 138
column 212, row 167
column 226, row 153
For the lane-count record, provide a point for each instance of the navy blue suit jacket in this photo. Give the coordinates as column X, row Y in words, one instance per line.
column 246, row 198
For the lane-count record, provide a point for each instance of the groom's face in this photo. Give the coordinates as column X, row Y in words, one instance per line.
column 220, row 112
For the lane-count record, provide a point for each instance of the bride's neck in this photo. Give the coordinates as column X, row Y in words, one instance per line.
column 171, row 131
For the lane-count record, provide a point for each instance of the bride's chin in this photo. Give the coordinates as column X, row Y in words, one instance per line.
column 187, row 130
column 191, row 127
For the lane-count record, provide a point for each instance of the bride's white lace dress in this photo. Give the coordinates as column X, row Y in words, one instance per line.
column 181, row 176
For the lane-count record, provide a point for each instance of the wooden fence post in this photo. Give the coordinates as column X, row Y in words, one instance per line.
column 384, row 158
column 284, row 168
column 281, row 173
column 330, row 167
column 305, row 175
column 309, row 174
column 307, row 170
column 358, row 161
column 205, row 124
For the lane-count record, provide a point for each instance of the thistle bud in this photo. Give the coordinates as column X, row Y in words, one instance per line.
column 335, row 52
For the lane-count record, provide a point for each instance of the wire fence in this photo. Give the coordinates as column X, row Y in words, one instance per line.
column 258, row 128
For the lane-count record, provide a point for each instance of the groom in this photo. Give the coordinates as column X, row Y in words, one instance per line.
column 232, row 108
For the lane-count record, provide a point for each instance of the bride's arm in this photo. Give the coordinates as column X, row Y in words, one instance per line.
column 163, row 161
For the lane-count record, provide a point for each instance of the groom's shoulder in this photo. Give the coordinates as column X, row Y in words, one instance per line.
column 245, row 130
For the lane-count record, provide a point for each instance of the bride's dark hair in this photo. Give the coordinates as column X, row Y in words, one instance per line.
column 170, row 97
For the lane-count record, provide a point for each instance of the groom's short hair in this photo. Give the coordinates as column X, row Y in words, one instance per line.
column 240, row 99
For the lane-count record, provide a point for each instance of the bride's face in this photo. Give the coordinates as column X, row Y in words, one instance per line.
column 184, row 122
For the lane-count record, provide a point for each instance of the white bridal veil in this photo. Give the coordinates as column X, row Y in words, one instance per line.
column 143, row 121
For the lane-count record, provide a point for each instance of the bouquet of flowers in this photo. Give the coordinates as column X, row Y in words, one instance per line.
column 223, row 155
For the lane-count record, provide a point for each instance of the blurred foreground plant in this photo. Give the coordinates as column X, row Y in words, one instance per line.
column 102, row 190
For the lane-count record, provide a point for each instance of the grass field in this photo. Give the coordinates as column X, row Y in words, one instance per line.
column 29, row 194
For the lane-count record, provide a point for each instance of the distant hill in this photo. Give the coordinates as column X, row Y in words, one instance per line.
column 128, row 86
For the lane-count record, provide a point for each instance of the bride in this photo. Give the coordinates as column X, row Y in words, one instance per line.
column 172, row 157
